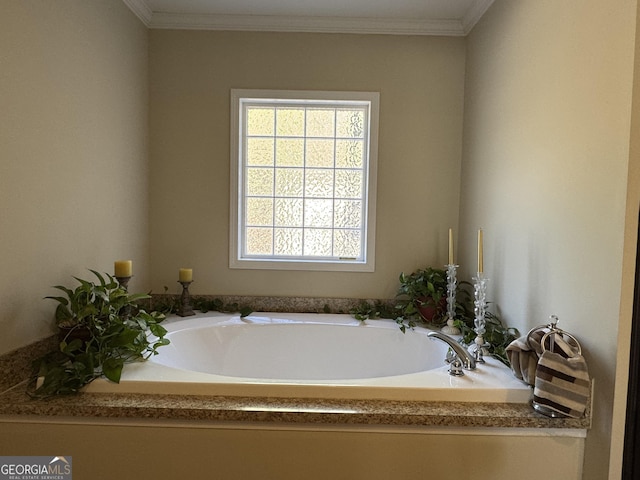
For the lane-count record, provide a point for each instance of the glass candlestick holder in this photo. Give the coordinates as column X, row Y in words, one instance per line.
column 480, row 308
column 185, row 309
column 452, row 282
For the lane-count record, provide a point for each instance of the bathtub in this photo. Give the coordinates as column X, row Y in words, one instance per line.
column 298, row 355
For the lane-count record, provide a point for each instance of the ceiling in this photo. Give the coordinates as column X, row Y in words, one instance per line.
column 400, row 17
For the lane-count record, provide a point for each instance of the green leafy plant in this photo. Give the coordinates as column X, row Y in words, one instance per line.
column 165, row 302
column 497, row 336
column 431, row 283
column 169, row 304
column 102, row 327
column 366, row 310
column 216, row 305
column 422, row 296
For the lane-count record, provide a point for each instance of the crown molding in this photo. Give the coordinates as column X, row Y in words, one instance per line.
column 141, row 10
column 474, row 14
column 269, row 23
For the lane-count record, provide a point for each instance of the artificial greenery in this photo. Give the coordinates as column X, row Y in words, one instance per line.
column 497, row 336
column 206, row 305
column 424, row 288
column 365, row 310
column 103, row 327
column 169, row 304
column 431, row 283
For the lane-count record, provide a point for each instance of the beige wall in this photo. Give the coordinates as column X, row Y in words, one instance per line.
column 545, row 158
column 421, row 82
column 73, row 152
column 628, row 274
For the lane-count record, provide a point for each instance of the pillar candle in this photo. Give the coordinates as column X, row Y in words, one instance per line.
column 185, row 275
column 123, row 268
column 450, row 247
column 480, row 258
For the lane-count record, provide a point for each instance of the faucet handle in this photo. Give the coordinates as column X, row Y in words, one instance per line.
column 462, row 355
column 454, row 362
column 451, row 356
column 455, row 367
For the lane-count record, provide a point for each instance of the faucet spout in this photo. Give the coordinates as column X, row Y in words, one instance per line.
column 468, row 362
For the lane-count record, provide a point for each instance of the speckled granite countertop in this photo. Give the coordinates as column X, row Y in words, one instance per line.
column 15, row 403
column 289, row 411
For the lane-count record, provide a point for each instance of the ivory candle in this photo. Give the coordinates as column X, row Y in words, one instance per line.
column 480, row 255
column 185, row 275
column 123, row 268
column 450, row 247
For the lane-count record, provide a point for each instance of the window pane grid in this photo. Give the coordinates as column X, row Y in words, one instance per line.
column 304, row 180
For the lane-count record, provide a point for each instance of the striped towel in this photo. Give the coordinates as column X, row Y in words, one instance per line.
column 523, row 356
column 562, row 380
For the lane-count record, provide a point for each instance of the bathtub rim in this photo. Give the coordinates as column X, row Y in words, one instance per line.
column 432, row 385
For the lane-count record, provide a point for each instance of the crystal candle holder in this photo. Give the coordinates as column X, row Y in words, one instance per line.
column 452, row 282
column 480, row 308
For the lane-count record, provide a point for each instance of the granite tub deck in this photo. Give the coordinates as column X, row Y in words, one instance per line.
column 17, row 405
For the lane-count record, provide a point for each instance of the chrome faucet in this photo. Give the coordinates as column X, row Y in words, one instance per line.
column 460, row 358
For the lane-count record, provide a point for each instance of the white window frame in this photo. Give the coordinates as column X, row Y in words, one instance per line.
column 236, row 260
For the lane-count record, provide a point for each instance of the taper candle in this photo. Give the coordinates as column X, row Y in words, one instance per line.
column 480, row 255
column 450, row 246
column 185, row 275
column 123, row 268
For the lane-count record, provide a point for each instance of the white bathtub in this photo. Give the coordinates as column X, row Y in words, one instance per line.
column 310, row 356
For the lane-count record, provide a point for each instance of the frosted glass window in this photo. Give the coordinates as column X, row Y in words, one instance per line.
column 303, row 179
column 349, row 153
column 289, row 182
column 260, row 121
column 318, row 183
column 320, row 153
column 289, row 152
column 259, row 182
column 289, row 212
column 260, row 152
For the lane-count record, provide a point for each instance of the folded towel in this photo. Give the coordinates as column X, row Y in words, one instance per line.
column 562, row 380
column 523, row 354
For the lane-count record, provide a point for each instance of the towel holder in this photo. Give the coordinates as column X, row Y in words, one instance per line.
column 552, row 330
column 568, row 397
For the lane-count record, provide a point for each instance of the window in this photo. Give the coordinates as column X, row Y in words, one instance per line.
column 303, row 167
